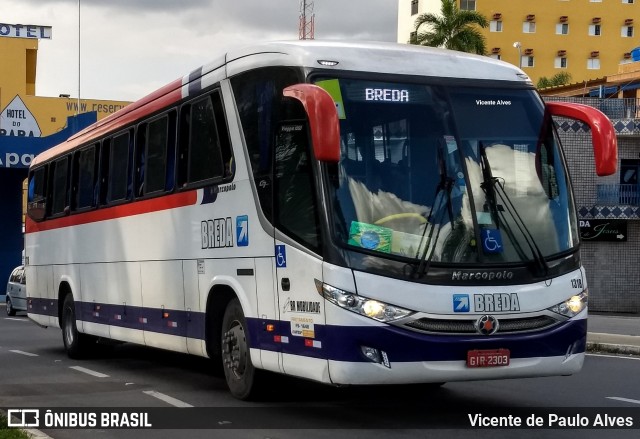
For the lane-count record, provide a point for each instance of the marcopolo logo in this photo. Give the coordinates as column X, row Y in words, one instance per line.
column 482, row 275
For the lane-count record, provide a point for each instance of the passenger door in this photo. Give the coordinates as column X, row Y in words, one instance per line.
column 297, row 248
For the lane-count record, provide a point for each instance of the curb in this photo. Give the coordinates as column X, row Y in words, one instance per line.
column 610, row 348
column 32, row 432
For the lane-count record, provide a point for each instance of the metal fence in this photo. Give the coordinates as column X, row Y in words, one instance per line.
column 614, row 108
column 618, row 194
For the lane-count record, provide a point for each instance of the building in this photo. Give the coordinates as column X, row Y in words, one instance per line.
column 29, row 124
column 584, row 38
column 608, row 207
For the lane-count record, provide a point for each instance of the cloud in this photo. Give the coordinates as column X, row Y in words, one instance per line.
column 130, row 47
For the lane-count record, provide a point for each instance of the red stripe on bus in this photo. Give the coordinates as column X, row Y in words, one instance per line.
column 124, row 210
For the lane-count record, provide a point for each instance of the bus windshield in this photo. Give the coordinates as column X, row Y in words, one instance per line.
column 449, row 174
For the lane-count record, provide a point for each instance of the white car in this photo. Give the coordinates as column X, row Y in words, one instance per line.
column 16, row 291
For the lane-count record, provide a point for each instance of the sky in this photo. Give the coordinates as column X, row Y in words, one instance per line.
column 131, row 47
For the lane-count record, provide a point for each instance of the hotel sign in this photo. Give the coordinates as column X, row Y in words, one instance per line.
column 25, row 31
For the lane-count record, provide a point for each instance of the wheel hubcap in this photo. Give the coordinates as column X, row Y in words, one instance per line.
column 234, row 349
column 68, row 326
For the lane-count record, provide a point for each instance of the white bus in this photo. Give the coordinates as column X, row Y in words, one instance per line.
column 346, row 213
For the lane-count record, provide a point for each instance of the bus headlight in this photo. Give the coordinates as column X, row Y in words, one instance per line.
column 572, row 306
column 374, row 309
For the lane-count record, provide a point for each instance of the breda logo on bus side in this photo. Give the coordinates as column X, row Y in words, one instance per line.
column 217, row 233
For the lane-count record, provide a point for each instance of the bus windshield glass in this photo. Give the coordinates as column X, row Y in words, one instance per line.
column 449, row 174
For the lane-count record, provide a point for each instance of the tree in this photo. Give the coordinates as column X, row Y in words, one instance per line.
column 561, row 78
column 452, row 28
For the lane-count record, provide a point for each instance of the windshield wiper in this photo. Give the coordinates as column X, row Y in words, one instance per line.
column 445, row 185
column 490, row 183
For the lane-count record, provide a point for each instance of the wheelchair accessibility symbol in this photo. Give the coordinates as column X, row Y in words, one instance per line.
column 281, row 256
column 492, row 241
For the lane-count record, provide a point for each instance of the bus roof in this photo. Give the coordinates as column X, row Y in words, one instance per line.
column 389, row 58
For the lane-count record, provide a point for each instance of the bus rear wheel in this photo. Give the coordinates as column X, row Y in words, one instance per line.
column 239, row 372
column 74, row 341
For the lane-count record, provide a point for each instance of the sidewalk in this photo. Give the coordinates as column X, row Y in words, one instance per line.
column 614, row 334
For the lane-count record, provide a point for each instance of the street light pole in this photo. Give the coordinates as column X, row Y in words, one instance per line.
column 518, row 46
column 78, row 111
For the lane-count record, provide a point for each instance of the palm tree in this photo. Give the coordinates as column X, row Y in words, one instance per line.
column 452, row 28
column 561, row 78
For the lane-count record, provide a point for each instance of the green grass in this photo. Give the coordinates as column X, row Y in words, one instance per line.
column 10, row 433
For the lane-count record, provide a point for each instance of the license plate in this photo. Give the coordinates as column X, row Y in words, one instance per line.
column 488, row 358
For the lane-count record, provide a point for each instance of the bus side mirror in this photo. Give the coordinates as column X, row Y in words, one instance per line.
column 37, row 209
column 323, row 120
column 603, row 136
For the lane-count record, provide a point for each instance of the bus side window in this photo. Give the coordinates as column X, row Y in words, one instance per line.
column 36, row 195
column 155, row 155
column 85, row 177
column 105, row 159
column 296, row 208
column 205, row 150
column 258, row 95
column 59, row 185
column 119, row 165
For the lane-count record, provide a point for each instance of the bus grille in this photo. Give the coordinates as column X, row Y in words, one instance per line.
column 506, row 326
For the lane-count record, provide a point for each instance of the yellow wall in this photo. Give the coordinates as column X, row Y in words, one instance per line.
column 13, row 65
column 577, row 43
column 544, row 42
column 18, row 60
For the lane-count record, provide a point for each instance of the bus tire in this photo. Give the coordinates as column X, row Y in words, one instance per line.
column 239, row 372
column 74, row 341
column 11, row 311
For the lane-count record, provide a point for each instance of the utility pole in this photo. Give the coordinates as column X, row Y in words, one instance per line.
column 307, row 20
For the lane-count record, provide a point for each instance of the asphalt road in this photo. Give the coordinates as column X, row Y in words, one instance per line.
column 35, row 372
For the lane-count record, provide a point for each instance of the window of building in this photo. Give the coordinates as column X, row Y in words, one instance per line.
column 627, row 1
column 468, row 5
column 593, row 64
column 626, row 31
column 595, row 29
column 562, row 29
column 595, row 1
column 414, row 7
column 529, row 27
column 496, row 56
column 527, row 61
column 495, row 26
column 560, row 62
column 413, row 37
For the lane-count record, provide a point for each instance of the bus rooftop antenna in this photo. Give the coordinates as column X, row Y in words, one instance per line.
column 307, row 20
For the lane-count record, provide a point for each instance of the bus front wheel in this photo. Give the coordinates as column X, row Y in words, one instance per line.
column 239, row 372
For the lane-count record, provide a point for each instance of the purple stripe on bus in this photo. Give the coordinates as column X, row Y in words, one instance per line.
column 340, row 343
